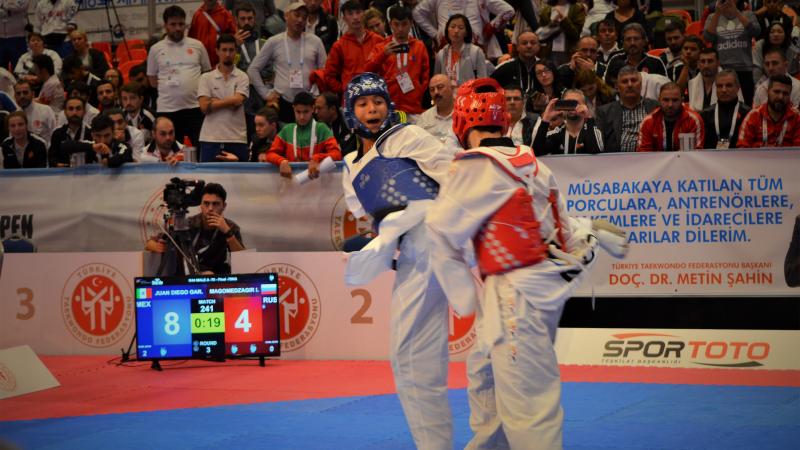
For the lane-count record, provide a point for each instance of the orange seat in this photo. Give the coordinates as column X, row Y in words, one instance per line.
column 125, row 68
column 125, row 53
column 656, row 52
column 695, row 29
column 687, row 18
column 138, row 53
column 104, row 47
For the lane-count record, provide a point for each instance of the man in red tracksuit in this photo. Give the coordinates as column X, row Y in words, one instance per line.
column 661, row 130
column 209, row 22
column 350, row 52
column 775, row 123
column 403, row 62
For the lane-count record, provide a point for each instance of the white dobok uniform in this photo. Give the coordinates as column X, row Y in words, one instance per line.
column 419, row 310
column 514, row 385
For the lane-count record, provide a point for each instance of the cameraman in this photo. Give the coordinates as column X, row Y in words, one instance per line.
column 213, row 236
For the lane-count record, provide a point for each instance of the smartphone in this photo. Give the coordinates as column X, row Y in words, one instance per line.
column 566, row 105
column 402, row 48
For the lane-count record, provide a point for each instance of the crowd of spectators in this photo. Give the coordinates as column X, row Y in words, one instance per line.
column 242, row 80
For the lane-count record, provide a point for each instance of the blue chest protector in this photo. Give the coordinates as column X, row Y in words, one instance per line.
column 385, row 185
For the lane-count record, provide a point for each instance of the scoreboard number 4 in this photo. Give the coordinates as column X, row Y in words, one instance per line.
column 243, row 321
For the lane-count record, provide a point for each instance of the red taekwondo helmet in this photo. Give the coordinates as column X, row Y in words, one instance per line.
column 479, row 102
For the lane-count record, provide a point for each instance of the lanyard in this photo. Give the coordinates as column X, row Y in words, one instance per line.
column 527, row 73
column 664, row 137
column 313, row 140
column 451, row 66
column 401, row 62
column 779, row 141
column 733, row 121
column 302, row 50
column 258, row 49
column 566, row 141
column 213, row 23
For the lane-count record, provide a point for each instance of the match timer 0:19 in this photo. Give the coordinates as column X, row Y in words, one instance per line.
column 208, row 322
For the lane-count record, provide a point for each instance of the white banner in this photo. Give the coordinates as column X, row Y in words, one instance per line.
column 700, row 223
column 68, row 303
column 709, row 349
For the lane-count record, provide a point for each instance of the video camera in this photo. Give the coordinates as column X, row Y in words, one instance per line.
column 178, row 196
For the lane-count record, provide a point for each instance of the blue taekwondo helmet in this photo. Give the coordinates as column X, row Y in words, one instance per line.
column 367, row 83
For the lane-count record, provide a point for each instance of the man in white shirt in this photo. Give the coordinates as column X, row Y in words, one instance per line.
column 775, row 63
column 294, row 54
column 221, row 94
column 51, row 92
column 438, row 120
column 163, row 148
column 174, row 65
column 41, row 118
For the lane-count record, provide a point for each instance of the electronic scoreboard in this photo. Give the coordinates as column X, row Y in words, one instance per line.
column 207, row 316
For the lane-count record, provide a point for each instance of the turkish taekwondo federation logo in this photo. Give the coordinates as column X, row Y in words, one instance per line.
column 8, row 382
column 300, row 307
column 96, row 304
column 666, row 349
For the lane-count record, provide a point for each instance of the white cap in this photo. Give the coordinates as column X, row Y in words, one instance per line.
column 296, row 5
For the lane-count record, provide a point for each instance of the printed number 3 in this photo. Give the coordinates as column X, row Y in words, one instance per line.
column 27, row 302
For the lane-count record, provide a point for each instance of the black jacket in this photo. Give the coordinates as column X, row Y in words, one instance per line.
column 711, row 130
column 34, row 156
column 60, row 136
column 120, row 152
column 326, row 29
column 609, row 120
column 589, row 141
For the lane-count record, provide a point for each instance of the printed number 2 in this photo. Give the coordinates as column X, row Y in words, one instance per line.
column 360, row 315
column 27, row 302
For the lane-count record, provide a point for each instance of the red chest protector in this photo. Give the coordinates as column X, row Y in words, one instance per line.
column 511, row 237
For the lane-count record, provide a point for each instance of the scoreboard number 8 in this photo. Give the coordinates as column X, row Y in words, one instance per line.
column 171, row 325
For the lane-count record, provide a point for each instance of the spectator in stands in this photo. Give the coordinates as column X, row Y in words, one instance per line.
column 402, row 61
column 222, row 93
column 547, row 85
column 775, row 64
column 584, row 58
column 326, row 110
column 322, row 24
column 209, row 22
column 578, row 133
column 774, row 124
column 770, row 12
column 522, row 125
column 125, row 133
column 619, row 121
column 138, row 74
column 268, row 21
column 164, row 147
column 460, row 60
column 51, row 19
column 174, row 65
column 627, row 13
column 350, row 53
column 687, row 68
column 666, row 128
column 566, row 17
column 74, row 71
column 74, row 130
column 438, row 120
column 294, row 55
column 24, row 69
column 51, row 92
column 79, row 89
column 21, row 149
column 634, row 40
column 103, row 149
column 432, row 15
column 724, row 118
column 132, row 97
column 702, row 88
column 106, row 96
column 93, row 60
column 674, row 35
column 520, row 70
column 41, row 119
column 375, row 21
column 266, row 128
column 304, row 140
column 608, row 38
column 12, row 33
column 115, row 77
column 777, row 38
column 730, row 31
column 597, row 92
column 249, row 43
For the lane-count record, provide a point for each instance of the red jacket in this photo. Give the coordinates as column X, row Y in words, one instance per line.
column 751, row 134
column 202, row 30
column 651, row 133
column 418, row 68
column 347, row 59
